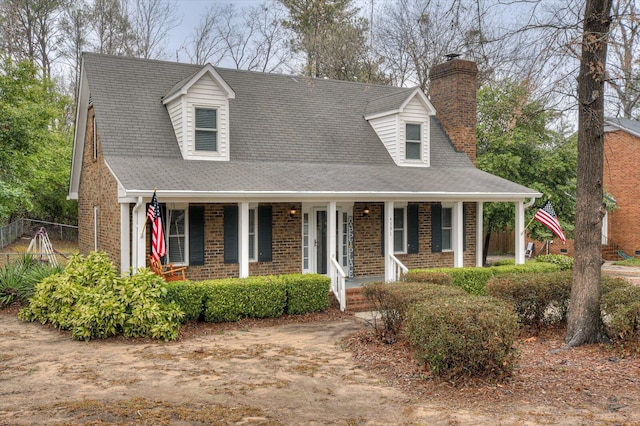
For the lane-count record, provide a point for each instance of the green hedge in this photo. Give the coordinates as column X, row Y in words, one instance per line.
column 529, row 267
column 306, row 292
column 538, row 298
column 565, row 262
column 189, row 296
column 464, row 335
column 235, row 298
column 621, row 312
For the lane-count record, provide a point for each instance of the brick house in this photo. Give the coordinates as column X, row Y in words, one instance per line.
column 267, row 174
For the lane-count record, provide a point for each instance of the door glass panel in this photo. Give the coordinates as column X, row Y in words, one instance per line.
column 305, row 241
column 321, row 242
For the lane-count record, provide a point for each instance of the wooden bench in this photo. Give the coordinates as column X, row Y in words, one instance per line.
column 168, row 272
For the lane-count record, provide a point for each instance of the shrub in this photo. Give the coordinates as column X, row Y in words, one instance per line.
column 504, row 262
column 529, row 267
column 231, row 299
column 538, row 299
column 565, row 262
column 306, row 292
column 189, row 296
column 471, row 280
column 621, row 312
column 18, row 279
column 609, row 283
column 91, row 300
column 393, row 300
column 428, row 276
column 464, row 335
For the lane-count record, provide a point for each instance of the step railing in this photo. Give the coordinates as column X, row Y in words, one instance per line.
column 399, row 270
column 610, row 247
column 338, row 284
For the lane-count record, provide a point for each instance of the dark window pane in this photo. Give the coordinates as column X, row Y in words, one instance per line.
column 446, row 239
column 206, row 118
column 398, row 240
column 413, row 151
column 446, row 217
column 413, row 132
column 398, row 218
column 206, row 140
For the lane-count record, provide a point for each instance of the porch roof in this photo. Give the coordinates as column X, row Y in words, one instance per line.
column 202, row 180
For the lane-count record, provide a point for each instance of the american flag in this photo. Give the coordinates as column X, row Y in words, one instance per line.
column 158, row 248
column 547, row 216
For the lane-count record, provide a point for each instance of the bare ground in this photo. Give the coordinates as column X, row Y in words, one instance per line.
column 315, row 369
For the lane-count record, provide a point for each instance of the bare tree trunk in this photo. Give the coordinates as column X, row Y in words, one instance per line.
column 584, row 323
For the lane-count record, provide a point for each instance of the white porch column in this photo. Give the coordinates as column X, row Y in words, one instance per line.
column 138, row 237
column 520, row 233
column 125, row 247
column 458, row 240
column 389, row 275
column 479, row 233
column 331, row 240
column 243, row 239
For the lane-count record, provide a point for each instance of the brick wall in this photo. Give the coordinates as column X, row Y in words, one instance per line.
column 286, row 247
column 452, row 91
column 97, row 188
column 621, row 180
column 368, row 260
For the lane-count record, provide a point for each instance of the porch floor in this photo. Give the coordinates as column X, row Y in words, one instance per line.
column 357, row 282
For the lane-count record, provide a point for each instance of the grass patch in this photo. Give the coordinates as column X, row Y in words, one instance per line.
column 634, row 261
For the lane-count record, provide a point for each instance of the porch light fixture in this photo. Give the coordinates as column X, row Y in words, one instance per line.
column 366, row 211
column 292, row 211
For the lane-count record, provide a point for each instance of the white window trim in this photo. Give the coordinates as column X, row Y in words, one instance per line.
column 95, row 139
column 406, row 140
column 177, row 206
column 442, row 227
column 403, row 207
column 216, row 130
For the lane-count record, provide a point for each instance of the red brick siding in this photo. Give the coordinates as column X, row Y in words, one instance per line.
column 452, row 92
column 98, row 188
column 622, row 181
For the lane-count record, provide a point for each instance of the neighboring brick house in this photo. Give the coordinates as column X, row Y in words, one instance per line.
column 267, row 174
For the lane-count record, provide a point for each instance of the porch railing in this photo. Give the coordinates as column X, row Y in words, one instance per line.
column 398, row 269
column 338, row 284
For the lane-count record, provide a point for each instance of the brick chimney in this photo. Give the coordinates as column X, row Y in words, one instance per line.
column 453, row 94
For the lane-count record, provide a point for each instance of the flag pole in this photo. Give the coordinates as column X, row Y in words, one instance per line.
column 525, row 228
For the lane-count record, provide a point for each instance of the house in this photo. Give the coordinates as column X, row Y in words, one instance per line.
column 620, row 229
column 267, row 174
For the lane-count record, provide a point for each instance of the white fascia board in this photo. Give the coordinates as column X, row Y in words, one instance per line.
column 288, row 196
column 381, row 114
column 207, row 69
column 618, row 126
column 78, row 134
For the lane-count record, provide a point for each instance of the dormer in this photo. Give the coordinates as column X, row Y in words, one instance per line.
column 402, row 122
column 199, row 111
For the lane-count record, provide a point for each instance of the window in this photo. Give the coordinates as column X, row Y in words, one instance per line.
column 176, row 235
column 95, row 139
column 206, row 130
column 446, row 228
column 253, row 241
column 414, row 142
column 399, row 231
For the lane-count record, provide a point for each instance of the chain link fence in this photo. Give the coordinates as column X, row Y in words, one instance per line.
column 28, row 228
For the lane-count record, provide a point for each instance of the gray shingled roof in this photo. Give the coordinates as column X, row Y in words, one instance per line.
column 626, row 124
column 288, row 133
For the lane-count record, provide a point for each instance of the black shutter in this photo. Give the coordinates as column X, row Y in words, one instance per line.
column 196, row 235
column 412, row 229
column 382, row 230
column 264, row 234
column 231, row 234
column 464, row 227
column 436, row 228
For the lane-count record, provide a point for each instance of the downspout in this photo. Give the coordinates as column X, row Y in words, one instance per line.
column 134, row 236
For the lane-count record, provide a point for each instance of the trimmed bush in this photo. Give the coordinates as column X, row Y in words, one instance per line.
column 91, row 300
column 306, row 292
column 538, row 299
column 621, row 312
column 393, row 300
column 565, row 262
column 608, row 283
column 464, row 336
column 189, row 296
column 428, row 276
column 232, row 299
column 529, row 267
column 504, row 262
column 471, row 280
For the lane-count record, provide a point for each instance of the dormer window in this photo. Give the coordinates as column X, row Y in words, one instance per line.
column 413, row 142
column 206, row 138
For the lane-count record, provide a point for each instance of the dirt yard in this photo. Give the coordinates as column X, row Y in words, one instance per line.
column 318, row 369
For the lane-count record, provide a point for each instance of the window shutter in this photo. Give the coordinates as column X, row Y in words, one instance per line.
column 196, row 235
column 231, row 234
column 464, row 227
column 436, row 228
column 264, row 234
column 412, row 229
column 382, row 230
